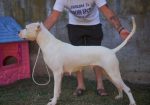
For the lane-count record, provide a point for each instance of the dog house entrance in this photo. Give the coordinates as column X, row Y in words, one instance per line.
column 9, row 60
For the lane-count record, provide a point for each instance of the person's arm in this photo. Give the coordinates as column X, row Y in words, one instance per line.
column 114, row 20
column 51, row 19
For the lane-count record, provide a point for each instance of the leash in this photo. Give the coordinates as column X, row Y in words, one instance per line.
column 34, row 71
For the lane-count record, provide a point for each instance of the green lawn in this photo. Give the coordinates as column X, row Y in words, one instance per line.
column 25, row 92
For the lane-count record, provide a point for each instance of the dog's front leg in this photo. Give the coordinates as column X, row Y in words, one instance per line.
column 57, row 87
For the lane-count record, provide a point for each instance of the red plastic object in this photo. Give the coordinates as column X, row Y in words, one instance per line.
column 14, row 62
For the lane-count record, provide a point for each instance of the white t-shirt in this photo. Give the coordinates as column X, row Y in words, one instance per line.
column 81, row 12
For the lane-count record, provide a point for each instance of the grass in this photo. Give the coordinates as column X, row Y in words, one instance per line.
column 25, row 92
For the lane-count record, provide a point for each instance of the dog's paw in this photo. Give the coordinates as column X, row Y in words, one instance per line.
column 132, row 104
column 53, row 101
column 118, row 97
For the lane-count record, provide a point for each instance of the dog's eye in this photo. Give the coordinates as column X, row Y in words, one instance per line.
column 26, row 28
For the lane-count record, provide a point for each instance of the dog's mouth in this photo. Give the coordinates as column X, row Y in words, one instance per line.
column 21, row 36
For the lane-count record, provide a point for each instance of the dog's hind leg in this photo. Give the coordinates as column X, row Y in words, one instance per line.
column 120, row 95
column 129, row 94
column 122, row 86
column 57, row 86
column 118, row 85
column 118, row 82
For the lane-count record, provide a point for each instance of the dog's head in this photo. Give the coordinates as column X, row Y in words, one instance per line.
column 30, row 32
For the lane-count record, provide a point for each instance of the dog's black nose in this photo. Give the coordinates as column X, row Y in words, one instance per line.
column 18, row 32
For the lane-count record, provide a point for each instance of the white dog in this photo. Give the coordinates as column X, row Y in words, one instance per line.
column 63, row 57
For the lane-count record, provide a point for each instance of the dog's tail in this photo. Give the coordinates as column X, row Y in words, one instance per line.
column 129, row 36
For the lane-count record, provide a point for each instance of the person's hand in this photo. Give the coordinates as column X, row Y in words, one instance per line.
column 124, row 33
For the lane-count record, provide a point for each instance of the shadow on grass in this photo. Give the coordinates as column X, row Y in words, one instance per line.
column 25, row 92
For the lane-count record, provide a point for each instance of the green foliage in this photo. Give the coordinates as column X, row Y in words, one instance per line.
column 25, row 92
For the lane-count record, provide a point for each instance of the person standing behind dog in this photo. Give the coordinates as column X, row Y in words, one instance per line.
column 84, row 29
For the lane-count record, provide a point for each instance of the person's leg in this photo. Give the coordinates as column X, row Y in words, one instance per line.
column 80, row 84
column 76, row 38
column 80, row 80
column 94, row 37
column 98, row 75
column 100, row 86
